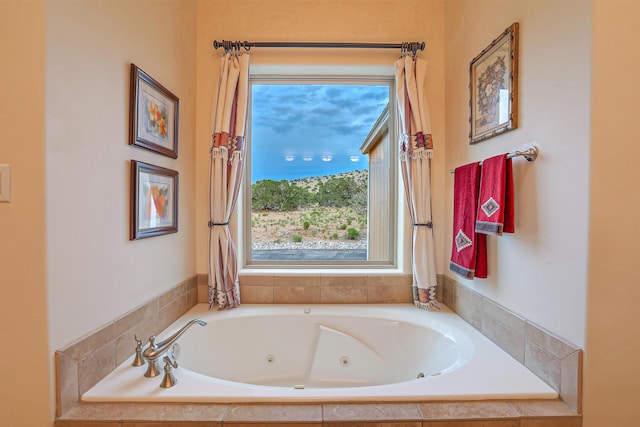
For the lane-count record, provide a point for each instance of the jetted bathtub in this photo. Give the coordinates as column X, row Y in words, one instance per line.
column 321, row 353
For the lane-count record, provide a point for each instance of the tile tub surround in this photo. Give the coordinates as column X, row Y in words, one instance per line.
column 321, row 289
column 80, row 365
column 532, row 344
column 517, row 413
column 555, row 361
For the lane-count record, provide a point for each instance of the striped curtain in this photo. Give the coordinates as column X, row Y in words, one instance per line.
column 415, row 147
column 227, row 155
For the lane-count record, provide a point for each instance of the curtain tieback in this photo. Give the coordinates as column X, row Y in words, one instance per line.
column 428, row 225
column 213, row 224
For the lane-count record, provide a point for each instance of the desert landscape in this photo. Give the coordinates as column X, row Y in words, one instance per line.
column 309, row 224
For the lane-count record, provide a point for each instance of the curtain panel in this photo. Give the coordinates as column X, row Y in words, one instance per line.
column 227, row 156
column 415, row 148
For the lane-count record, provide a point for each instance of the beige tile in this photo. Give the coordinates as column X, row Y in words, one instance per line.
column 468, row 305
column 88, row 344
column 506, row 338
column 552, row 422
column 389, row 294
column 171, row 297
column 504, row 316
column 542, row 363
column 401, row 280
column 571, row 381
column 541, row 408
column 448, row 298
column 257, row 280
column 376, row 424
column 354, row 294
column 192, row 295
column 554, row 345
column 371, row 412
column 466, row 410
column 169, row 313
column 177, row 412
column 96, row 366
column 65, row 423
column 475, row 423
column 202, row 279
column 174, row 424
column 296, row 280
column 99, row 412
column 274, row 413
column 126, row 346
column 296, row 294
column 449, row 285
column 342, row 281
column 203, row 293
column 256, row 294
column 66, row 383
column 272, row 424
column 132, row 319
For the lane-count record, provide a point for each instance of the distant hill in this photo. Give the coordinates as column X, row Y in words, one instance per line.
column 311, row 183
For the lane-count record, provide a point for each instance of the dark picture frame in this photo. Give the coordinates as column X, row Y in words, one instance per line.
column 493, row 87
column 154, row 201
column 154, row 112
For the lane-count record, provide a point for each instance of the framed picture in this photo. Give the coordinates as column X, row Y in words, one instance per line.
column 154, row 115
column 494, row 88
column 154, row 201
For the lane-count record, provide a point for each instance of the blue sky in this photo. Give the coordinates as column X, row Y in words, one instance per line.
column 311, row 130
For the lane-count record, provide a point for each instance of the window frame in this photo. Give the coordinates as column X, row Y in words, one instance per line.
column 244, row 207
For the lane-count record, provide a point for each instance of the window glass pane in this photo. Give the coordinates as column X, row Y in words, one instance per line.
column 317, row 171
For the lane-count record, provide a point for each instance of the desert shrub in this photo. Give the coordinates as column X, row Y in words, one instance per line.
column 273, row 195
column 342, row 227
column 306, row 225
column 296, row 238
column 352, row 233
column 334, row 236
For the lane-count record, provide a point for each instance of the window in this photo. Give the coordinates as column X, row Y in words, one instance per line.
column 320, row 173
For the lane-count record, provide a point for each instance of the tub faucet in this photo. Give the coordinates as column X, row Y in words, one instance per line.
column 154, row 352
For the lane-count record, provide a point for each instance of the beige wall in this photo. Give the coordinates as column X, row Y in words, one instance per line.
column 311, row 20
column 95, row 273
column 612, row 373
column 24, row 394
column 540, row 271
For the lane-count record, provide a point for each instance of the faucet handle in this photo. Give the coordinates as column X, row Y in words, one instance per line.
column 139, row 360
column 152, row 341
column 169, row 379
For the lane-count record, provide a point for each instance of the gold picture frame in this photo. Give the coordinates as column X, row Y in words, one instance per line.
column 493, row 88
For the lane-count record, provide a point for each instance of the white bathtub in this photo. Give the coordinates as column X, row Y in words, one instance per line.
column 320, row 353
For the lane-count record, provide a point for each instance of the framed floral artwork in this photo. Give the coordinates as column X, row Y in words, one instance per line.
column 494, row 88
column 154, row 201
column 153, row 115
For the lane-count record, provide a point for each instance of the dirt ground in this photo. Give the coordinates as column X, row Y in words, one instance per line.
column 324, row 224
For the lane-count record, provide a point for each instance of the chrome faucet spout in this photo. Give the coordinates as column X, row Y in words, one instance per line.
column 156, row 350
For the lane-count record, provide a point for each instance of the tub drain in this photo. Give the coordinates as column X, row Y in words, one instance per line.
column 345, row 361
column 270, row 359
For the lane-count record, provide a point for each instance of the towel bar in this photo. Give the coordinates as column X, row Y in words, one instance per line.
column 531, row 154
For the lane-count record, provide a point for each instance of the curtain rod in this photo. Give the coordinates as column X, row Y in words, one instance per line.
column 530, row 154
column 237, row 45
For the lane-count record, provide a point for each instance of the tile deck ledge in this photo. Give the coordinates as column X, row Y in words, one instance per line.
column 516, row 413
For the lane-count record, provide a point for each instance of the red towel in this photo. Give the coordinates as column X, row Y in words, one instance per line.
column 495, row 206
column 469, row 249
